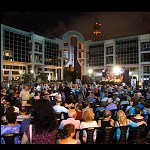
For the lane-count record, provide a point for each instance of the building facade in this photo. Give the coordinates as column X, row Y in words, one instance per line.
column 26, row 52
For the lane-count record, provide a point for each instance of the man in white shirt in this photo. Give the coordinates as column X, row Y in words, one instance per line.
column 24, row 95
column 58, row 107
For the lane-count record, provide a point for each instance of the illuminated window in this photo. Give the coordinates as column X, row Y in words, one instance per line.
column 6, row 54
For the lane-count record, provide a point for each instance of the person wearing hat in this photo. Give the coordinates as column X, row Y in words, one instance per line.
column 138, row 117
column 144, row 111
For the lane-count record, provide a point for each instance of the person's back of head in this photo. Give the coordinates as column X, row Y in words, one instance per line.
column 103, row 104
column 43, row 115
column 23, row 110
column 86, row 103
column 79, row 106
column 88, row 115
column 138, row 110
column 11, row 117
column 58, row 101
column 109, row 100
column 72, row 113
column 69, row 129
column 10, row 109
column 107, row 114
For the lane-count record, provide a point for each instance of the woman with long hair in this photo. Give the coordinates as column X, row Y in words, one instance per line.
column 123, row 121
column 44, row 125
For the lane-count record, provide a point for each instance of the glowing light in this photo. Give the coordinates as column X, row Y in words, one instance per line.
column 31, row 71
column 130, row 73
column 90, row 71
column 116, row 70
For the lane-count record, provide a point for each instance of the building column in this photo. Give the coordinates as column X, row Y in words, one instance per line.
column 104, row 56
column 2, row 50
column 56, row 74
column 43, row 47
column 140, row 67
column 33, row 47
column 114, row 52
column 26, row 70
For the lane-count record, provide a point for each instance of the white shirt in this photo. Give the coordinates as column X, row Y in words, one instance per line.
column 88, row 125
column 58, row 108
column 24, row 95
column 70, row 120
column 38, row 88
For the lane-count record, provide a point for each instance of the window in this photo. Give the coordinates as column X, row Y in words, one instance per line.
column 109, row 50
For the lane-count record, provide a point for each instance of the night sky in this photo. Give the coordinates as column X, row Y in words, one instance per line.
column 54, row 24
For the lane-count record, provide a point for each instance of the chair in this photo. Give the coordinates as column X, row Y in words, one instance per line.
column 60, row 134
column 123, row 135
column 147, row 117
column 90, row 133
column 93, row 105
column 13, row 138
column 105, row 136
column 137, row 135
column 61, row 116
column 52, row 98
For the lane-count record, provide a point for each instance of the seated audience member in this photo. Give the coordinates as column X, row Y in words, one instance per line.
column 123, row 121
column 107, row 121
column 37, row 95
column 44, row 124
column 110, row 104
column 72, row 119
column 87, row 106
column 91, row 98
column 137, row 117
column 132, row 109
column 24, row 122
column 58, row 107
column 88, row 121
column 80, row 98
column 12, row 126
column 128, row 107
column 104, row 123
column 69, row 133
column 78, row 109
column 23, row 114
column 102, row 106
column 55, row 98
column 69, row 102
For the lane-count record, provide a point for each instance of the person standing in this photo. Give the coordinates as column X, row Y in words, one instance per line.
column 24, row 95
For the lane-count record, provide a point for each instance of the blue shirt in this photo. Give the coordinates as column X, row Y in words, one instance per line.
column 132, row 111
column 111, row 106
column 118, row 131
column 5, row 129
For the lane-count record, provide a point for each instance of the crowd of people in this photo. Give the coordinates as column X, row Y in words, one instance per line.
column 32, row 111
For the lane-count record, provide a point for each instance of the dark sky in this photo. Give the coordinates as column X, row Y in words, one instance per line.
column 53, row 24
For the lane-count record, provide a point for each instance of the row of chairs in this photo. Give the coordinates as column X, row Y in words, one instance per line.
column 137, row 135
